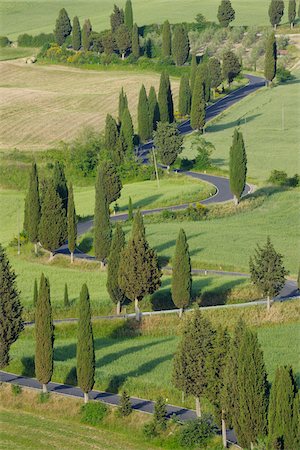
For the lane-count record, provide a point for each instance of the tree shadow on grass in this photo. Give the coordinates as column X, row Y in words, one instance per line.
column 267, row 191
column 65, row 352
column 28, row 369
column 235, row 123
column 86, row 244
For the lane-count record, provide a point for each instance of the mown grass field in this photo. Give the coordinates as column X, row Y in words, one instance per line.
column 39, row 16
column 269, row 121
column 42, row 105
column 7, row 53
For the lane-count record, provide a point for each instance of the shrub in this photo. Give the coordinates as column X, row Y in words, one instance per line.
column 26, row 40
column 196, row 212
column 4, row 41
column 85, row 151
column 197, row 432
column 93, row 413
column 15, row 389
column 125, row 407
column 280, row 178
column 150, row 430
column 283, row 75
column 44, row 397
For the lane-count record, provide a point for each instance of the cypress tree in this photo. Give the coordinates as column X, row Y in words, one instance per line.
column 118, row 242
column 85, row 36
column 205, row 75
column 180, row 45
column 153, row 109
column 181, row 275
column 111, row 181
column 130, row 209
column 76, row 34
column 198, row 105
column 252, row 387
column 63, row 27
column 123, row 104
column 166, row 39
column 292, row 12
column 267, row 271
column 72, row 223
column 215, row 72
column 53, row 224
column 116, row 18
column 123, row 40
column 270, row 59
column 139, row 272
column 237, row 166
column 143, row 115
column 185, row 95
column 127, row 130
column 125, row 406
column 128, row 16
column 231, row 66
column 111, row 133
column 32, row 214
column 66, row 297
column 194, row 66
column 85, row 345
column 165, row 100
column 108, row 42
column 60, row 183
column 135, row 42
column 169, row 98
column 119, row 152
column 226, row 13
column 276, row 11
column 102, row 226
column 168, row 142
column 35, row 293
column 11, row 323
column 44, row 335
column 160, row 414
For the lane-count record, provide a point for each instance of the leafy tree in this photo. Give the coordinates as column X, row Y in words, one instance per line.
column 85, row 151
column 35, row 293
column 123, row 104
column 267, row 270
column 143, row 115
column 231, row 66
column 292, row 12
column 111, row 133
column 108, row 42
column 66, row 297
column 205, row 75
column 130, row 209
column 198, row 104
column 168, row 142
column 128, row 16
column 185, row 96
column 237, row 166
column 125, row 406
column 123, row 40
column 127, row 130
column 63, row 27
column 85, row 345
column 160, row 414
column 116, row 18
column 135, row 41
column 44, row 335
column 215, row 72
column 139, row 272
column 153, row 109
column 76, row 34
column 181, row 275
column 194, row 66
column 118, row 242
column 226, row 13
column 165, row 100
column 32, row 214
column 11, row 323
column 72, row 223
column 102, row 225
column 166, row 40
column 60, row 183
column 180, row 45
column 270, row 58
column 53, row 224
column 276, row 11
column 86, row 35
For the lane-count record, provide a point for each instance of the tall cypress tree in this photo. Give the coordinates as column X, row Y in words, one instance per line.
column 180, row 45
column 123, row 104
column 85, row 35
column 118, row 242
column 111, row 181
column 116, row 18
column 165, row 100
column 215, row 72
column 198, row 105
column 185, row 95
column 72, row 224
column 63, row 27
column 205, row 75
column 270, row 58
column 143, row 115
column 128, row 16
column 169, row 98
column 127, row 130
column 135, row 42
column 76, row 34
column 60, row 183
column 166, row 39
column 119, row 152
column 153, row 109
column 226, row 13
column 111, row 133
column 181, row 275
column 44, row 335
column 237, row 166
column 130, row 209
column 123, row 40
column 276, row 11
column 11, row 323
column 32, row 214
column 35, row 293
column 85, row 345
column 194, row 66
column 102, row 225
column 292, row 12
column 66, row 297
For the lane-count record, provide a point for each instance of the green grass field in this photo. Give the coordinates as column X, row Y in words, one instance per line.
column 7, row 53
column 39, row 16
column 269, row 121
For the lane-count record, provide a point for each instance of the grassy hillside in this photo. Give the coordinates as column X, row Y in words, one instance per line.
column 39, row 16
column 7, row 53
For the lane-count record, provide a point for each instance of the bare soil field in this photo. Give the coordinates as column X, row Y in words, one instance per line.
column 42, row 105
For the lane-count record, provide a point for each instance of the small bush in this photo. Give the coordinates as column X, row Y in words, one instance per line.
column 93, row 413
column 15, row 389
column 125, row 407
column 283, row 75
column 280, row 178
column 197, row 432
column 150, row 430
column 44, row 397
column 4, row 41
column 160, row 414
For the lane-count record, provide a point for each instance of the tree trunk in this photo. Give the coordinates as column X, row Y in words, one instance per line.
column 198, row 407
column 168, row 169
column 182, row 396
column 102, row 264
column 275, row 26
column 118, row 308
column 236, row 200
column 180, row 312
column 123, row 56
column 35, row 248
column 86, row 397
column 224, row 435
column 137, row 309
column 44, row 388
column 72, row 257
column 251, row 446
column 51, row 256
column 268, row 303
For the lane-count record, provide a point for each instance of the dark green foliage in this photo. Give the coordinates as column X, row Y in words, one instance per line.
column 85, row 344
column 226, row 13
column 53, row 224
column 180, row 45
column 130, row 209
column 44, row 397
column 166, row 39
column 44, row 334
column 128, row 16
column 185, row 96
column 111, row 133
column 108, row 42
column 111, row 181
column 72, row 222
column 135, row 42
column 160, row 414
column 276, row 11
column 63, row 27
column 125, row 407
column 165, row 100
column 215, row 72
column 168, row 142
column 292, row 12
column 118, row 242
column 86, row 33
column 102, row 225
column 123, row 103
column 85, row 151
column 76, row 34
column 283, row 75
column 237, row 166
column 39, row 40
column 280, row 178
column 281, row 418
column 119, row 153
column 231, row 66
column 197, row 433
column 194, row 66
column 32, row 213
column 60, row 183
column 16, row 390
column 205, row 75
column 11, row 323
column 35, row 293
column 153, row 109
column 270, row 58
column 4, row 41
column 66, row 297
column 181, row 275
column 143, row 116
column 93, row 413
column 116, row 18
column 198, row 104
column 127, row 131
column 138, row 227
column 123, row 40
